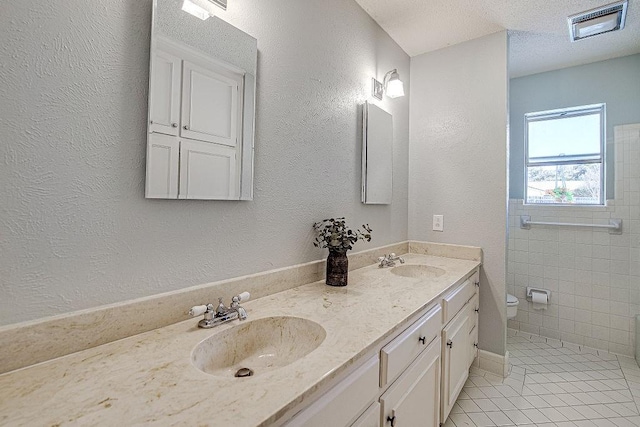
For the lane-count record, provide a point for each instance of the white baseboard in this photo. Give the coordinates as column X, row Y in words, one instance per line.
column 492, row 362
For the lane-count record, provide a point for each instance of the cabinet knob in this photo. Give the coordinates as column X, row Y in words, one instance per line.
column 392, row 420
column 422, row 340
column 185, row 127
column 475, row 345
column 477, row 284
column 450, row 344
column 150, row 121
column 477, row 310
column 174, row 125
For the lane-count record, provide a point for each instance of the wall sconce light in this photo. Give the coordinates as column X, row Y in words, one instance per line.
column 391, row 85
column 197, row 9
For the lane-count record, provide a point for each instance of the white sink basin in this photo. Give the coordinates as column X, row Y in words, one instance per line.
column 417, row 271
column 261, row 345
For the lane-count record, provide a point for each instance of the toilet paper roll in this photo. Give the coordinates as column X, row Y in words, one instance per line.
column 539, row 300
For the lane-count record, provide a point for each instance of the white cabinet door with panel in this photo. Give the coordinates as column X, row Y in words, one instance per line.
column 162, row 167
column 207, row 171
column 164, row 93
column 414, row 399
column 474, row 308
column 211, row 105
column 455, row 359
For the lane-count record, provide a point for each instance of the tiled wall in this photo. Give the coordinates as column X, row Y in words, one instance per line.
column 593, row 276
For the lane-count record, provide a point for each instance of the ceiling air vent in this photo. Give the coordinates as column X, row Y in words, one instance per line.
column 598, row 21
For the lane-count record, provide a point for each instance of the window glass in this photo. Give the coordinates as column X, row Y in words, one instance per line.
column 564, row 136
column 565, row 156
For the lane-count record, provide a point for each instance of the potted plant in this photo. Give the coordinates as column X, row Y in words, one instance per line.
column 335, row 235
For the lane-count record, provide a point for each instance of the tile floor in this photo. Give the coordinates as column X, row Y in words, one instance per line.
column 552, row 383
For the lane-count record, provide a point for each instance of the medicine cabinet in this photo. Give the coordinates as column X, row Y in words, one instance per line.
column 201, row 107
column 377, row 155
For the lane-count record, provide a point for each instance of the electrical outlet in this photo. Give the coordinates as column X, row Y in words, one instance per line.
column 438, row 223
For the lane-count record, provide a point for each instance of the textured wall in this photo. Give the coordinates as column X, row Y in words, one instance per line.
column 458, row 162
column 614, row 82
column 75, row 229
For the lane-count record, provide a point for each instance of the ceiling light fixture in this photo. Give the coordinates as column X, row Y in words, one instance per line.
column 597, row 21
column 391, row 85
column 198, row 8
column 195, row 10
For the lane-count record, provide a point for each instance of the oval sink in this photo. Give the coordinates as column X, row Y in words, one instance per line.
column 417, row 271
column 261, row 345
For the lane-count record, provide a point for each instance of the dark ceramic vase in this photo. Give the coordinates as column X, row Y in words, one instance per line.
column 337, row 268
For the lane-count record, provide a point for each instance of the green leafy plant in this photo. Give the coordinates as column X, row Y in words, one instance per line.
column 335, row 235
column 561, row 194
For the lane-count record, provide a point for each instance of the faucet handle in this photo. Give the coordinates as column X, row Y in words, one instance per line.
column 243, row 297
column 221, row 307
column 197, row 310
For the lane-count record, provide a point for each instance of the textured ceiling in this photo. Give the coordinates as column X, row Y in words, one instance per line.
column 539, row 36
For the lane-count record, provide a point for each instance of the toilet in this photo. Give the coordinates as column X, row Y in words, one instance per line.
column 512, row 306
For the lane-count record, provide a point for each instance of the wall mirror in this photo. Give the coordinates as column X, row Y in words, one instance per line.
column 202, row 86
column 377, row 155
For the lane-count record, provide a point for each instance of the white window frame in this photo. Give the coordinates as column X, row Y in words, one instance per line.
column 587, row 158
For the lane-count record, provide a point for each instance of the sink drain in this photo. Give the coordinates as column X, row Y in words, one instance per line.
column 243, row 372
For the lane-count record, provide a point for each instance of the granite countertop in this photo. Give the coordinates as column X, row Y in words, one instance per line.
column 149, row 378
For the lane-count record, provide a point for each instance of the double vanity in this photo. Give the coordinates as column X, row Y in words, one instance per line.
column 391, row 349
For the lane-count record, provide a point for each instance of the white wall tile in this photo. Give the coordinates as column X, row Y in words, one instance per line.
column 594, row 276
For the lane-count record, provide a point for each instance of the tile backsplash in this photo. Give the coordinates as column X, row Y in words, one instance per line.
column 593, row 276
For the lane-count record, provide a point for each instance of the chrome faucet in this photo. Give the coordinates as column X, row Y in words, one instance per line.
column 235, row 306
column 389, row 260
column 214, row 316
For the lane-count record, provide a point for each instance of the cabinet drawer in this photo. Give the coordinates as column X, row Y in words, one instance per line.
column 345, row 401
column 399, row 353
column 370, row 418
column 456, row 299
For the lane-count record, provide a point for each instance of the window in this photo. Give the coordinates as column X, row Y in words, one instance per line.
column 565, row 156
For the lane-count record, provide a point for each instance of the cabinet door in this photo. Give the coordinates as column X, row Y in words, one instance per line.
column 455, row 359
column 414, row 399
column 474, row 308
column 164, row 93
column 162, row 167
column 211, row 104
column 207, row 171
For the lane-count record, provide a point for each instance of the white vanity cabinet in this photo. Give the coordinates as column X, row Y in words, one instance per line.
column 414, row 378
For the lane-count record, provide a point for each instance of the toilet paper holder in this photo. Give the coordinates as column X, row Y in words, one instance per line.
column 531, row 290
